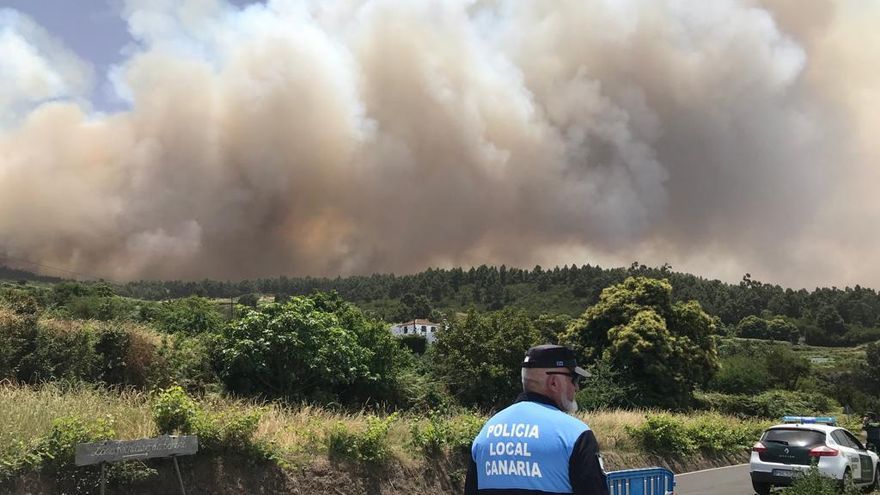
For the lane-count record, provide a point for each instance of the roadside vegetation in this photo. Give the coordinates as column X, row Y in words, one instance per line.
column 685, row 376
column 47, row 421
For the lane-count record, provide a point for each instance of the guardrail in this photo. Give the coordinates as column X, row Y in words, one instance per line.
column 647, row 481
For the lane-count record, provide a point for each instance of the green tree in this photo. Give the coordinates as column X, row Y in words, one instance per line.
column 776, row 328
column 752, row 327
column 786, row 367
column 310, row 348
column 249, row 300
column 781, row 329
column 740, row 374
column 604, row 389
column 552, row 326
column 663, row 349
column 480, row 356
column 829, row 320
column 412, row 307
column 191, row 315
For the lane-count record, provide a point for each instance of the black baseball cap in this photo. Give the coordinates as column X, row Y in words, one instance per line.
column 552, row 356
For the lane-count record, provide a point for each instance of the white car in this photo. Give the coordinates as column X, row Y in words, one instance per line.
column 787, row 449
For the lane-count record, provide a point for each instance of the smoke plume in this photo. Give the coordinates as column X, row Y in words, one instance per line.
column 311, row 137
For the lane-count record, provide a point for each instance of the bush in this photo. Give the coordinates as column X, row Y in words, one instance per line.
column 714, row 434
column 141, row 358
column 776, row 328
column 664, row 347
column 772, row 404
column 55, row 452
column 785, row 367
column 817, row 336
column 229, row 432
column 415, row 343
column 186, row 361
column 663, row 434
column 439, row 435
column 191, row 315
column 711, row 434
column 102, row 308
column 46, row 350
column 111, row 349
column 249, row 300
column 369, row 446
column 35, row 351
column 16, row 457
column 22, row 303
column 487, row 374
column 813, row 483
column 316, row 348
column 58, row 448
column 17, row 339
column 605, row 389
column 420, row 390
column 861, row 335
column 174, row 412
column 740, row 375
column 62, row 292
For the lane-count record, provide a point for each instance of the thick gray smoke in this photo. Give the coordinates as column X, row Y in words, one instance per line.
column 353, row 136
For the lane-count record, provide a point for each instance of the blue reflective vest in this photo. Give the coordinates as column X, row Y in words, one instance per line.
column 527, row 446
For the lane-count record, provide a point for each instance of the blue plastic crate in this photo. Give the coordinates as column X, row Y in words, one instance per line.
column 647, row 481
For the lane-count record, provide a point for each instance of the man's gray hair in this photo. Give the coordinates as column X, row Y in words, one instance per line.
column 530, row 380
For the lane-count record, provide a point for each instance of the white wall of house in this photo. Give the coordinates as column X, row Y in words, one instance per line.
column 425, row 328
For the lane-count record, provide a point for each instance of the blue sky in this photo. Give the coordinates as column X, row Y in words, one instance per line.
column 93, row 29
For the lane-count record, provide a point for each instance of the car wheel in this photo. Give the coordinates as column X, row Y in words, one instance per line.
column 761, row 488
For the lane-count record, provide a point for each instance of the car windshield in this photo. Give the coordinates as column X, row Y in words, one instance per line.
column 794, row 437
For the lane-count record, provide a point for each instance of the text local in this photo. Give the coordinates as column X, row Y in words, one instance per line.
column 509, row 448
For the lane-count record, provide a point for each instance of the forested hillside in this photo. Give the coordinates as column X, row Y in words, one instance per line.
column 723, row 358
column 824, row 316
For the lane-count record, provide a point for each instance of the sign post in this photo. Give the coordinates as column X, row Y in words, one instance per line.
column 144, row 448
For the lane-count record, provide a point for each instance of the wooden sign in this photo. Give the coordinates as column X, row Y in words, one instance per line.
column 144, row 448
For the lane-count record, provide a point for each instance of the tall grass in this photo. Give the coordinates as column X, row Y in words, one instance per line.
column 299, row 433
column 28, row 412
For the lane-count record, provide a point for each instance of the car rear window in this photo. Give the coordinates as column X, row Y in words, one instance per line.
column 794, row 437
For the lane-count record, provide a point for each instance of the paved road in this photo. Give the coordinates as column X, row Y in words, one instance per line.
column 731, row 480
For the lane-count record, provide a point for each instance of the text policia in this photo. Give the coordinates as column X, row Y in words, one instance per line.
column 522, row 432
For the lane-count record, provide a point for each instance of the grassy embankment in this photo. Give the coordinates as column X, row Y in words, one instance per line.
column 414, row 455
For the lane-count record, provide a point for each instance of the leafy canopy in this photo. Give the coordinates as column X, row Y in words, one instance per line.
column 480, row 356
column 310, row 348
column 663, row 348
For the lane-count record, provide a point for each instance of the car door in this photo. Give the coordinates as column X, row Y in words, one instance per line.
column 865, row 460
column 850, row 451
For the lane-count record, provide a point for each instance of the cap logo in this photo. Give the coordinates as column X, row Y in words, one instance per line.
column 559, row 364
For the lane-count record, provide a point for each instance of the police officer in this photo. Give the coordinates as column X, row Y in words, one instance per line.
column 533, row 446
column 871, row 425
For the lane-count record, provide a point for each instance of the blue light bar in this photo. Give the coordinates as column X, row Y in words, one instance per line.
column 827, row 420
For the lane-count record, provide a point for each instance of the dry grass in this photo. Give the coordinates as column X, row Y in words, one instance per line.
column 297, row 432
column 609, row 426
column 9, row 318
column 28, row 413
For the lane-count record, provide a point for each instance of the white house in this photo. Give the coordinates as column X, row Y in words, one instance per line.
column 425, row 328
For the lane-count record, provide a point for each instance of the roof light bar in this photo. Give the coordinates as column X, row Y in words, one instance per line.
column 827, row 420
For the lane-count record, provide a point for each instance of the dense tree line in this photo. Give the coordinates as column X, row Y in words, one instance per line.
column 826, row 316
column 646, row 348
